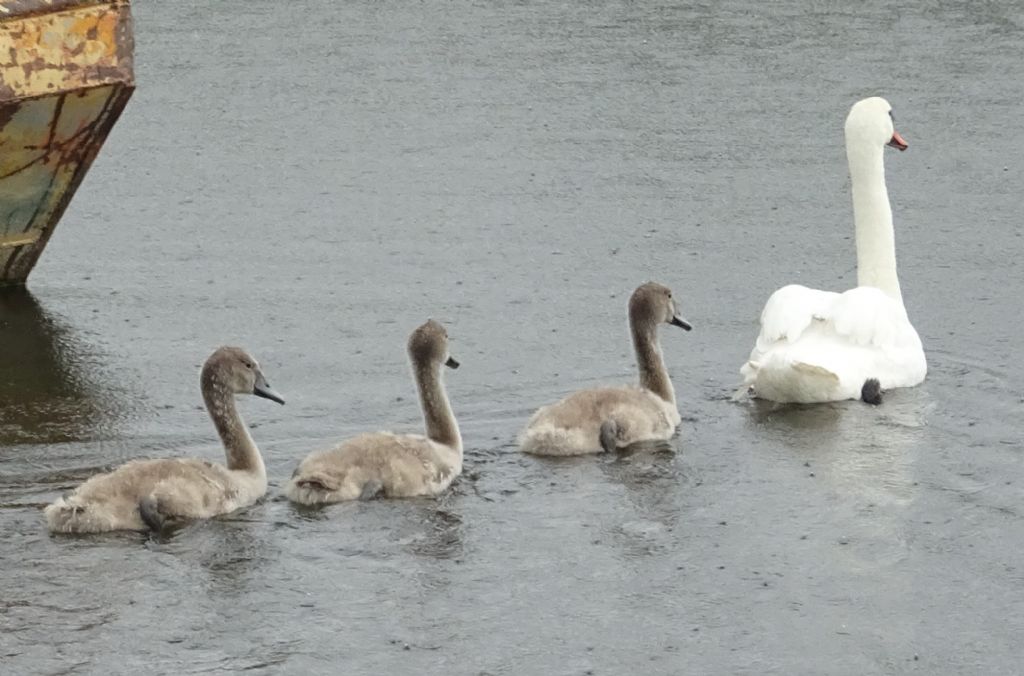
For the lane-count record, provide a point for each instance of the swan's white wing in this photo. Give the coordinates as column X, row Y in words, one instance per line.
column 861, row 316
column 788, row 313
column 818, row 345
column 868, row 316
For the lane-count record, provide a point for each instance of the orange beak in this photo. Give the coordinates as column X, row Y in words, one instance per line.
column 897, row 141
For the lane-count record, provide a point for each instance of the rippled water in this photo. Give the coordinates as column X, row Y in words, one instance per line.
column 313, row 180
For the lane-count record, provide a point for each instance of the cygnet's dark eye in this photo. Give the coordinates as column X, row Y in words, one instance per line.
column 248, row 364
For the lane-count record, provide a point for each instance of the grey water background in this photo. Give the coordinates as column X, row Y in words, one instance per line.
column 312, row 180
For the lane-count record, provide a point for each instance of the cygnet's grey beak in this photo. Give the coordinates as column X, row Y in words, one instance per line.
column 680, row 322
column 263, row 389
column 451, row 363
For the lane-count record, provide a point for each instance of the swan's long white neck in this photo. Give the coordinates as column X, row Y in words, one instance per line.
column 872, row 215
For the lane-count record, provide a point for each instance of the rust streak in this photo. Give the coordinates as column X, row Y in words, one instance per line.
column 45, row 199
column 58, row 146
column 58, row 108
column 73, row 57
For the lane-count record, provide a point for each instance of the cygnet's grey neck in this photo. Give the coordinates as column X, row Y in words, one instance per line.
column 653, row 374
column 872, row 215
column 437, row 411
column 239, row 447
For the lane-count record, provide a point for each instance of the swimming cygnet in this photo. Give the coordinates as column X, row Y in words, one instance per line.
column 610, row 418
column 386, row 464
column 149, row 494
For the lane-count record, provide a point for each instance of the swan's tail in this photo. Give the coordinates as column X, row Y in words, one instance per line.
column 322, row 488
column 311, row 489
column 68, row 514
column 548, row 439
column 797, row 381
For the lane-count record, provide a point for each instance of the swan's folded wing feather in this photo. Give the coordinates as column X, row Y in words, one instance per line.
column 815, row 371
column 193, row 487
column 319, row 480
column 867, row 316
column 862, row 316
column 790, row 310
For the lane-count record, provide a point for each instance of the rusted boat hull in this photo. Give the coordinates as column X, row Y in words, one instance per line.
column 65, row 76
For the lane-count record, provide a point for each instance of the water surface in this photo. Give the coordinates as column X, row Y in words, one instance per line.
column 313, row 180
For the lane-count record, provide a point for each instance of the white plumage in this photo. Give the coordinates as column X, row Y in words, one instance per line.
column 822, row 346
column 817, row 346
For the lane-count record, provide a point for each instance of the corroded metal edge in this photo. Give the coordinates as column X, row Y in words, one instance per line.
column 23, row 8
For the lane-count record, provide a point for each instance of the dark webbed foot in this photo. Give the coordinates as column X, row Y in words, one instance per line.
column 371, row 489
column 149, row 510
column 609, row 436
column 871, row 393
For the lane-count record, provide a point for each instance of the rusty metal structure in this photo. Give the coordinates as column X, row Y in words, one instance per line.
column 65, row 76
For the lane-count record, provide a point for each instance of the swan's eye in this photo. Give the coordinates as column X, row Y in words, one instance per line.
column 891, row 116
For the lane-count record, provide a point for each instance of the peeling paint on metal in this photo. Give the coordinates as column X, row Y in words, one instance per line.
column 65, row 76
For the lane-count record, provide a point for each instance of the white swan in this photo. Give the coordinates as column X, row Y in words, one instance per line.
column 147, row 494
column 386, row 464
column 609, row 418
column 819, row 346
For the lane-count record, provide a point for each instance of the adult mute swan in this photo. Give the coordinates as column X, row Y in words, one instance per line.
column 819, row 346
column 146, row 494
column 609, row 418
column 386, row 464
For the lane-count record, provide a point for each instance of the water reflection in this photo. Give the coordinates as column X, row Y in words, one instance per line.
column 441, row 536
column 233, row 551
column 863, row 451
column 427, row 527
column 649, row 472
column 51, row 389
column 861, row 460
